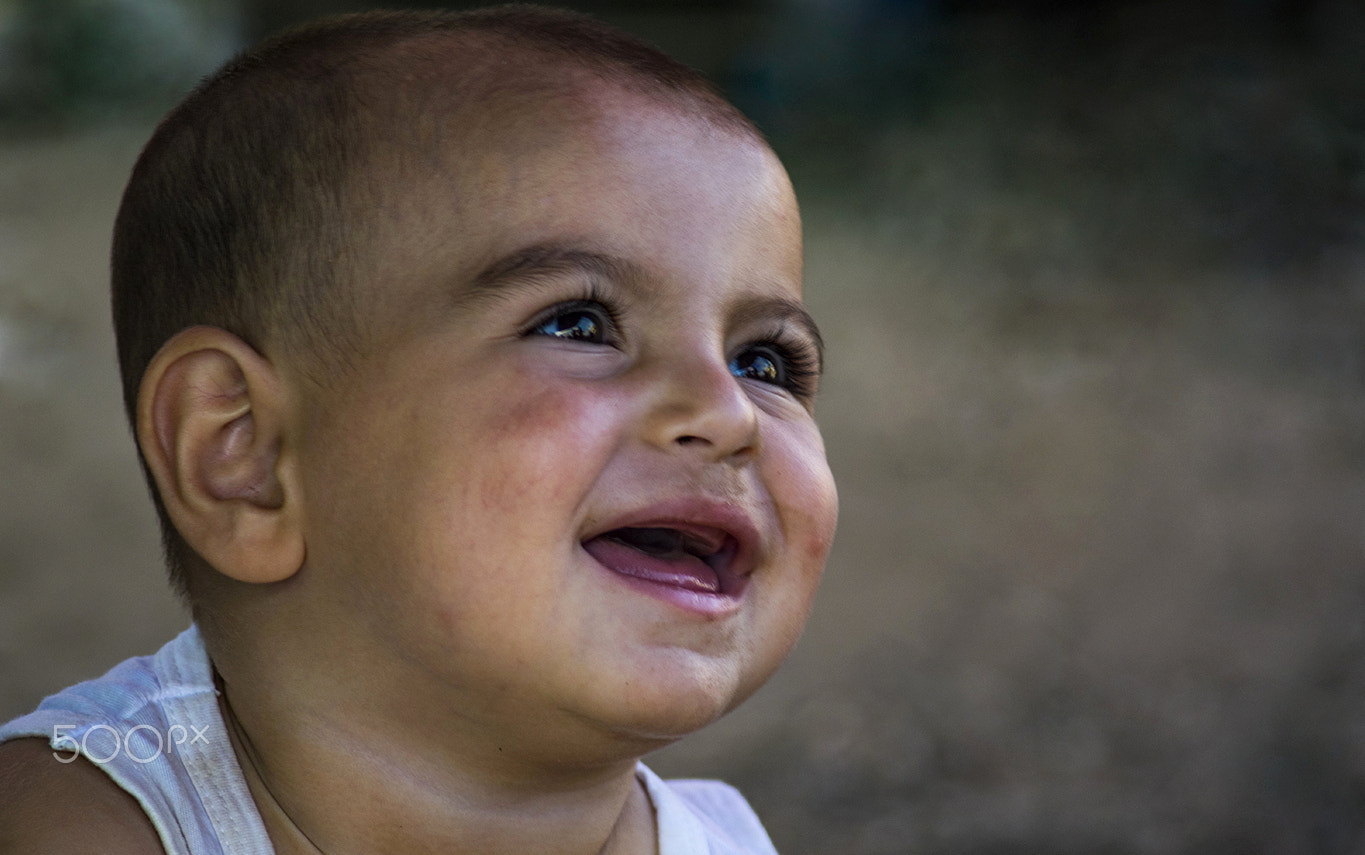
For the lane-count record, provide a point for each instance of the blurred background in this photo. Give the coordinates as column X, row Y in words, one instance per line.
column 1093, row 280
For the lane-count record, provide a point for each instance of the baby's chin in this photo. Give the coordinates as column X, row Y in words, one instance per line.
column 672, row 708
column 650, row 728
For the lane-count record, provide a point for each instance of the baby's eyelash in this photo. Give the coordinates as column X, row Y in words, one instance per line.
column 591, row 300
column 804, row 370
column 801, row 366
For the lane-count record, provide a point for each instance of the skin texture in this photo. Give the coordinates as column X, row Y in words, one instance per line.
column 417, row 652
column 52, row 807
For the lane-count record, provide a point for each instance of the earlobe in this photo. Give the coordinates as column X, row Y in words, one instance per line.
column 212, row 427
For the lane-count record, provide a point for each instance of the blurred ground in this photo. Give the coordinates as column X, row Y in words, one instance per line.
column 1094, row 291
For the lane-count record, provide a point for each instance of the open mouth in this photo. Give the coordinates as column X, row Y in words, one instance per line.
column 695, row 559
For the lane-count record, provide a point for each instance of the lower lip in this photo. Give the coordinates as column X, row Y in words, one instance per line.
column 701, row 603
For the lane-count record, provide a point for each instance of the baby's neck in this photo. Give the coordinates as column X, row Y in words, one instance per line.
column 330, row 794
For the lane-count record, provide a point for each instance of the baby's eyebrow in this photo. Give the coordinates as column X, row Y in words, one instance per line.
column 548, row 259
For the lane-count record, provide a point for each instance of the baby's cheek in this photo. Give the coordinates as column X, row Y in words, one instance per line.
column 542, row 451
column 803, row 487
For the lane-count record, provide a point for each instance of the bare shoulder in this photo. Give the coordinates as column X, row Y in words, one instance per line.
column 50, row 806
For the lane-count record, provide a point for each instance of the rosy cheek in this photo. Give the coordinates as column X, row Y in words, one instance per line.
column 540, row 451
column 803, row 487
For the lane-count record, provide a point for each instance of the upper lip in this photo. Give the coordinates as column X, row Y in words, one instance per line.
column 722, row 534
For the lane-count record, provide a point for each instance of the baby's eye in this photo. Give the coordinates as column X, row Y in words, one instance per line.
column 777, row 364
column 577, row 321
column 759, row 363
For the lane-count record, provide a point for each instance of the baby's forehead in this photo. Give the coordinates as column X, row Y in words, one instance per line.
column 535, row 111
column 466, row 138
column 483, row 87
column 601, row 170
column 482, row 136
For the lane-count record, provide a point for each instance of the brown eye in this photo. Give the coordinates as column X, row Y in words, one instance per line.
column 759, row 363
column 794, row 367
column 575, row 322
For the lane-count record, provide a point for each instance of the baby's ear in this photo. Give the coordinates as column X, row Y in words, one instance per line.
column 211, row 422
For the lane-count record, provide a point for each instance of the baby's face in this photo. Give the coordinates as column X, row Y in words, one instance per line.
column 575, row 484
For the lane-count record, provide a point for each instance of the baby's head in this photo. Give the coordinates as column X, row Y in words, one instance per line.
column 467, row 356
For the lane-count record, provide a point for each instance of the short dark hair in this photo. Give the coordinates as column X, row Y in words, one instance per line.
column 243, row 211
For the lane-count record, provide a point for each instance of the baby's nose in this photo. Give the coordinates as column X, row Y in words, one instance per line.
column 702, row 407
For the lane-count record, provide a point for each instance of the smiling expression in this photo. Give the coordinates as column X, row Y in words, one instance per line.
column 574, row 484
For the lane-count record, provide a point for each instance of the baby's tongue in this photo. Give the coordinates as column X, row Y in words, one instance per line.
column 655, row 556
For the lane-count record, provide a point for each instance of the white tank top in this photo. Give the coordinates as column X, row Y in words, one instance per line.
column 152, row 723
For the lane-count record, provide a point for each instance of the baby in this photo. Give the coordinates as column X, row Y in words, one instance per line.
column 467, row 360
